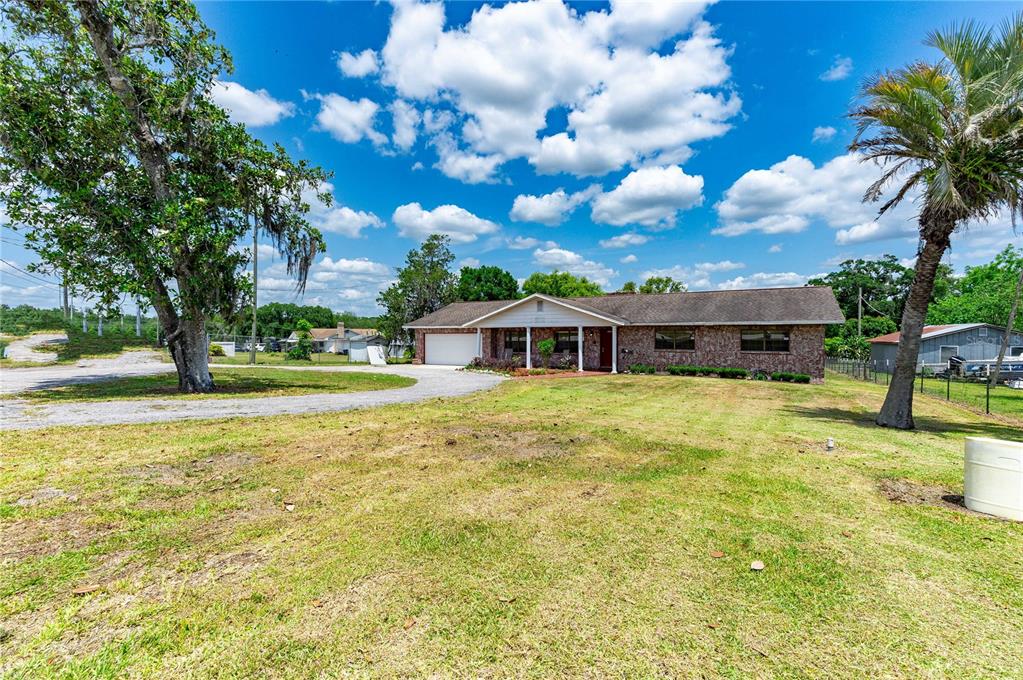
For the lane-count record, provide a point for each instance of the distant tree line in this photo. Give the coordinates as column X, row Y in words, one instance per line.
column 983, row 294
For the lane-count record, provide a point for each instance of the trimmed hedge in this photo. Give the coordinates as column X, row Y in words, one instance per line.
column 642, row 368
column 723, row 372
column 785, row 376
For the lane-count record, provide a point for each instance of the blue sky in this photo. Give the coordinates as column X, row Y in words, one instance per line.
column 613, row 141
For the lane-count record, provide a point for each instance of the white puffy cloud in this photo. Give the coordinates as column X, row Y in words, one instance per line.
column 551, row 209
column 509, row 66
column 253, row 108
column 624, row 240
column 697, row 276
column 335, row 218
column 470, row 262
column 790, row 194
column 651, row 196
column 776, row 248
column 823, row 133
column 358, row 65
column 347, row 120
column 765, row 280
column 628, row 259
column 406, row 120
column 358, row 269
column 574, row 263
column 466, row 166
column 840, row 69
column 457, row 223
column 528, row 242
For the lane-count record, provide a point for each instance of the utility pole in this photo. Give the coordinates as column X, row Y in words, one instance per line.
column 99, row 326
column 859, row 312
column 138, row 319
column 85, row 316
column 255, row 269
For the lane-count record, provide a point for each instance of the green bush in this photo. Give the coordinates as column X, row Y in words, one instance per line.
column 723, row 372
column 217, row 351
column 303, row 349
column 642, row 368
column 785, row 376
column 546, row 349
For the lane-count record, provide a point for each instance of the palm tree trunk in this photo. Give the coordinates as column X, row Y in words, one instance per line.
column 897, row 410
column 1008, row 330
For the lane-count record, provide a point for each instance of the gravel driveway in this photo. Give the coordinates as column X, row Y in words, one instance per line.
column 24, row 349
column 431, row 382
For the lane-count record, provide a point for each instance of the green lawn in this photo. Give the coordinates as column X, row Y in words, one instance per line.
column 230, row 382
column 1004, row 401
column 281, row 358
column 548, row 528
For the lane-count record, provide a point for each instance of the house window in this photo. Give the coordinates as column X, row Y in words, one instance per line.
column 566, row 341
column 539, row 305
column 674, row 338
column 765, row 340
column 515, row 341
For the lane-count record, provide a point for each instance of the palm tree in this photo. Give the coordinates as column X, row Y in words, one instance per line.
column 951, row 133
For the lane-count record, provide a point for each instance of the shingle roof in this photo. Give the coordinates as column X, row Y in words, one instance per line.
column 928, row 332
column 803, row 305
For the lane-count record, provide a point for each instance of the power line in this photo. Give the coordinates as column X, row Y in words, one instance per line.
column 28, row 273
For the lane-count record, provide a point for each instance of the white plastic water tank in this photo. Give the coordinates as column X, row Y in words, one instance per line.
column 994, row 477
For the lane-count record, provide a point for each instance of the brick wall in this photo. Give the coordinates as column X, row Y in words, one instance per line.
column 715, row 346
column 720, row 346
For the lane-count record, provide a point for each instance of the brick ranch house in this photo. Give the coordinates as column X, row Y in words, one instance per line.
column 771, row 329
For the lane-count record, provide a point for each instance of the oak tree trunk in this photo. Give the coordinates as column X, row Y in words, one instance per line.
column 897, row 410
column 190, row 352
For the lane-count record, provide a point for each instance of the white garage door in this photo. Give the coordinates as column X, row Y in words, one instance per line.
column 450, row 349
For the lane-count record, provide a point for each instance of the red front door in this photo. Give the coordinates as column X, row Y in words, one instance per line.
column 605, row 348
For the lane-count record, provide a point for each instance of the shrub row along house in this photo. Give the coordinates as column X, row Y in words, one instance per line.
column 770, row 329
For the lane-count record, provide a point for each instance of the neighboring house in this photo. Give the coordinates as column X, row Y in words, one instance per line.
column 771, row 329
column 335, row 340
column 970, row 341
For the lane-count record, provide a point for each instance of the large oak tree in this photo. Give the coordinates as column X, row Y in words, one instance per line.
column 124, row 174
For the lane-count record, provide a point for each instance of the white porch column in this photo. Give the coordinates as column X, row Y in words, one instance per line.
column 614, row 349
column 529, row 347
column 479, row 342
column 580, row 331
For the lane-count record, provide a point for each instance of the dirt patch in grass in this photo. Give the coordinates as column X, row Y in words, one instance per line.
column 182, row 473
column 912, row 493
column 512, row 444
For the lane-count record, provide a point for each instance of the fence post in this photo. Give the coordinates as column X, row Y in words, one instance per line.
column 948, row 386
column 921, row 380
column 987, row 396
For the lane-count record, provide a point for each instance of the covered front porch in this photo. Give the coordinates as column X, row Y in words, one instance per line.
column 585, row 348
column 583, row 337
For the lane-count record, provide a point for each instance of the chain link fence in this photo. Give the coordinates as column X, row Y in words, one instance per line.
column 976, row 393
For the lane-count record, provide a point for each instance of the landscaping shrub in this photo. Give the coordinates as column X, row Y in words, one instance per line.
column 785, row 376
column 217, row 351
column 724, row 372
column 496, row 365
column 642, row 368
column 546, row 349
column 567, row 362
